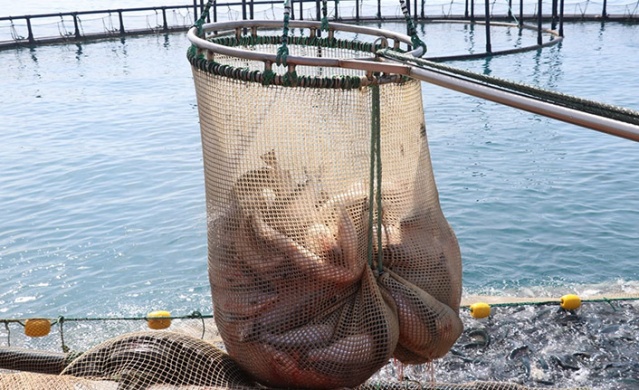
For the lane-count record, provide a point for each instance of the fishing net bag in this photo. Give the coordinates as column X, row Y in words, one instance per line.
column 328, row 250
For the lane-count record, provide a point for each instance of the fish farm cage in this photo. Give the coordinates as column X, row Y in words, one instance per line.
column 546, row 15
column 365, row 292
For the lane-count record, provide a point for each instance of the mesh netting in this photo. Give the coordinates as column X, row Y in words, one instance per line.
column 328, row 253
column 138, row 360
column 160, row 360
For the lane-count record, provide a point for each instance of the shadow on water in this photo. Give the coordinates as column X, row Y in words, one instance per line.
column 469, row 37
column 600, row 36
column 33, row 55
column 78, row 52
column 537, row 64
column 486, row 66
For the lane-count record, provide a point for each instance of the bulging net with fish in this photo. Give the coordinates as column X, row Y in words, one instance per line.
column 328, row 250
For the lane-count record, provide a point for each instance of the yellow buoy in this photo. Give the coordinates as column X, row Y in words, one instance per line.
column 480, row 310
column 37, row 327
column 157, row 319
column 570, row 302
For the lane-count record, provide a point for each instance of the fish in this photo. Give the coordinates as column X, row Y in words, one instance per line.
column 308, row 336
column 259, row 189
column 354, row 349
column 427, row 327
column 425, row 251
column 340, row 264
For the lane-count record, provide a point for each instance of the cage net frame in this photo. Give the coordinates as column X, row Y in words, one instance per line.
column 228, row 38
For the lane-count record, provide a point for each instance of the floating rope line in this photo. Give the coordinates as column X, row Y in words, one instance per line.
column 196, row 315
column 517, row 302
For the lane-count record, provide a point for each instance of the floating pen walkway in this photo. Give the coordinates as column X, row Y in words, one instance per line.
column 544, row 16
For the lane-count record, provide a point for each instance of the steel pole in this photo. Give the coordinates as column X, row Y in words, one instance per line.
column 564, row 114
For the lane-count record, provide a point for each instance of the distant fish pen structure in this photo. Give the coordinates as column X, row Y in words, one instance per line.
column 69, row 27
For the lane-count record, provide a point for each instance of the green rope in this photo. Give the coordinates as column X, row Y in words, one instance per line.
column 414, row 39
column 412, row 31
column 268, row 77
column 378, row 137
column 192, row 50
column 71, row 356
column 282, row 52
column 371, row 201
column 63, row 345
column 375, row 185
column 290, row 79
column 608, row 301
column 200, row 22
column 6, row 326
column 324, row 25
column 197, row 314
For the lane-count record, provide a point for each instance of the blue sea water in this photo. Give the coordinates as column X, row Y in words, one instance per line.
column 101, row 184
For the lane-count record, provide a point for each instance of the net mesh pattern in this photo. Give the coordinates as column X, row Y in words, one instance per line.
column 294, row 233
column 301, row 51
column 162, row 360
column 138, row 360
